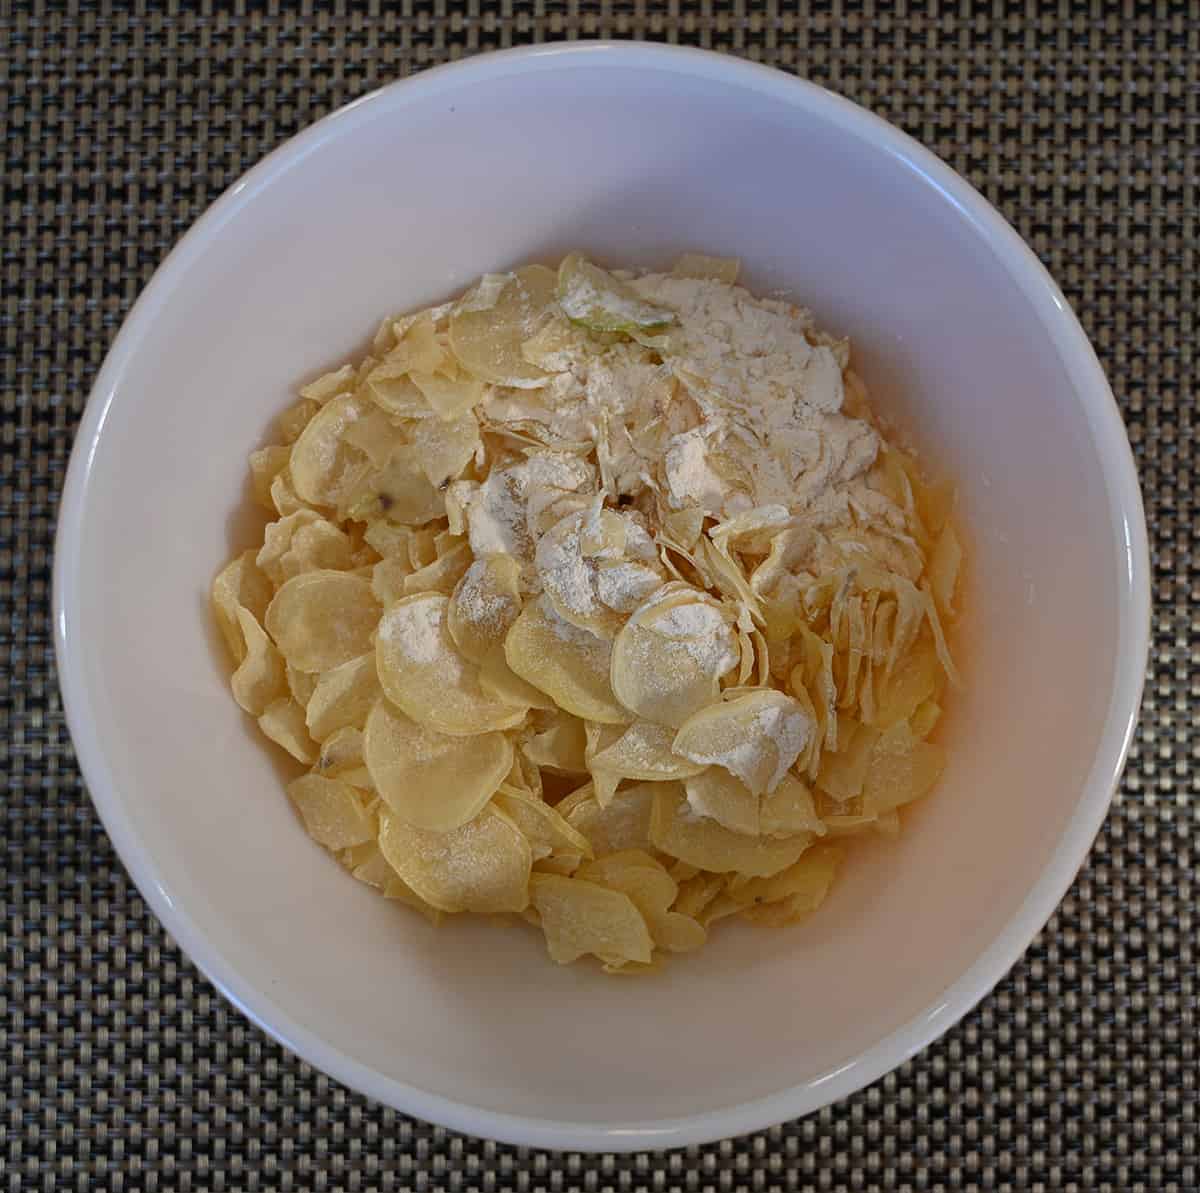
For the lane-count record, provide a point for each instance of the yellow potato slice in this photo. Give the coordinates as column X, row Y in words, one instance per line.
column 388, row 576
column 451, row 398
column 341, row 757
column 329, row 385
column 697, row 265
column 500, row 682
column 401, row 492
column 794, row 893
column 925, row 718
column 260, row 678
column 265, row 465
column 679, row 833
column 843, row 772
column 715, row 793
column 303, row 542
column 485, row 603
column 445, row 446
column 295, row 418
column 240, row 584
column 283, row 722
column 901, row 770
column 591, row 297
column 755, row 736
column 697, row 893
column 423, row 673
column 301, row 684
column 418, row 349
column 645, row 880
column 643, row 751
column 375, row 434
column 669, row 657
column 442, row 575
column 622, row 823
column 487, row 330
column 398, row 397
column 323, row 466
column 343, row 696
column 914, row 680
column 584, row 917
column 427, row 778
column 483, row 865
column 333, row 813
column 322, row 619
column 569, row 664
column 559, row 748
column 789, row 810
column 547, row 832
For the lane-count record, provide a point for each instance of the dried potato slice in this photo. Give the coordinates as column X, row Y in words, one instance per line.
column 343, row 695
column 643, row 751
column 485, row 603
column 843, row 771
column 429, row 779
column 321, row 619
column 487, row 330
column 283, row 722
column 584, row 917
column 332, row 812
column 376, row 435
column 445, row 446
column 323, row 467
column 755, row 736
column 789, row 810
column 239, row 584
column 500, row 682
column 548, row 833
column 451, row 398
column 679, row 833
column 424, row 675
column 442, row 575
column 483, row 865
column 646, row 881
column 716, row 794
column 901, row 769
column 669, row 657
column 303, row 541
column 291, row 423
column 341, row 757
column 622, row 823
column 560, row 747
column 265, row 465
column 591, row 297
column 401, row 492
column 792, row 894
column 569, row 664
column 260, row 677
column 913, row 681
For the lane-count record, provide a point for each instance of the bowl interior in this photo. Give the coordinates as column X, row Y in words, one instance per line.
column 402, row 201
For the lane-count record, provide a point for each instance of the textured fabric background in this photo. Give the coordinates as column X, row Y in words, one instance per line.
column 121, row 1068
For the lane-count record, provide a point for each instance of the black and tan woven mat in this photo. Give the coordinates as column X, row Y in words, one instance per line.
column 121, row 1068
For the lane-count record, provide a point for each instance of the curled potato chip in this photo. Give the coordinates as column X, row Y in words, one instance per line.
column 259, row 678
column 401, row 491
column 789, row 810
column 569, row 664
column 678, row 832
column 791, row 894
column 442, row 575
column 669, row 657
column 301, row 684
column 643, row 751
column 720, row 796
column 427, row 778
column 913, row 681
column 622, row 823
column 560, row 747
column 423, row 673
column 398, row 397
column 499, row 681
column 283, row 722
column 341, row 757
column 547, row 832
column 755, row 736
column 583, row 917
column 343, row 695
column 843, row 772
column 295, row 418
column 901, row 769
column 593, row 298
column 303, row 541
column 646, row 881
column 925, row 718
column 323, row 466
column 321, row 619
column 265, row 465
column 487, row 330
column 332, row 812
column 387, row 579
column 329, row 385
column 376, row 435
column 451, row 398
column 240, row 584
column 485, row 603
column 483, row 865
column 445, row 446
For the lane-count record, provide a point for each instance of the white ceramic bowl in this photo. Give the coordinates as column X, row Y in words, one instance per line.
column 632, row 153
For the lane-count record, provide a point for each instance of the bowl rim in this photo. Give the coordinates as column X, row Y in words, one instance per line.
column 1112, row 445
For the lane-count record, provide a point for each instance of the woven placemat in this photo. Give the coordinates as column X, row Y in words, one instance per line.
column 121, row 1068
